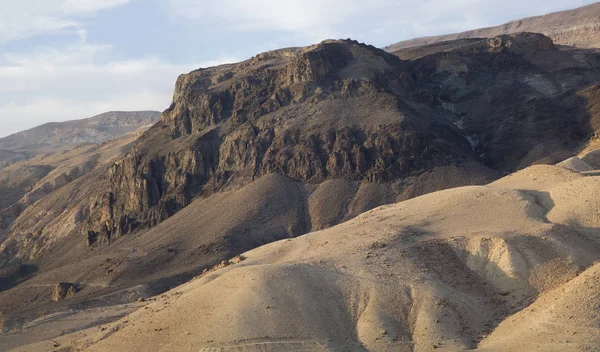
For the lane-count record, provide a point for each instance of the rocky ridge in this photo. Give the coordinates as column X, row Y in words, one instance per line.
column 334, row 110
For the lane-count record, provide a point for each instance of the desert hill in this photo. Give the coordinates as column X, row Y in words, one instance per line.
column 579, row 27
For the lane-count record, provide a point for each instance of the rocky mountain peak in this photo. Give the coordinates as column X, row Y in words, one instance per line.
column 331, row 110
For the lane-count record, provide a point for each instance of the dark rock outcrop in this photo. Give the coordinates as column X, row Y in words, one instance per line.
column 64, row 290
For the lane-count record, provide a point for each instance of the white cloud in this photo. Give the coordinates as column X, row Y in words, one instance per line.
column 50, row 84
column 274, row 14
column 87, row 6
column 25, row 18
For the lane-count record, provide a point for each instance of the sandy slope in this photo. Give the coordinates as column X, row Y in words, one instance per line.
column 495, row 268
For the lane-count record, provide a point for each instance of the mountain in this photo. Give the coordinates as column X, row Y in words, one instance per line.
column 62, row 136
column 341, row 109
column 578, row 28
column 290, row 142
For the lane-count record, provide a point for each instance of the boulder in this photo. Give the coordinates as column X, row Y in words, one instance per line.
column 64, row 290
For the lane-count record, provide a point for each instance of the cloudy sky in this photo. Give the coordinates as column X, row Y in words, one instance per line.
column 71, row 59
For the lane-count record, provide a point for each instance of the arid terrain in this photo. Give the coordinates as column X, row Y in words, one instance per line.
column 335, row 197
column 24, row 183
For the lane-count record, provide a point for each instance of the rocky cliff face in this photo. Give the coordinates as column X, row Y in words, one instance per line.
column 334, row 110
column 518, row 98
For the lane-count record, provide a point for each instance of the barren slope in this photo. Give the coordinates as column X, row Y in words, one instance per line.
column 203, row 234
column 24, row 183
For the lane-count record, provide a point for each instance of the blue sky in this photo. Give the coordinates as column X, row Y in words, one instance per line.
column 71, row 59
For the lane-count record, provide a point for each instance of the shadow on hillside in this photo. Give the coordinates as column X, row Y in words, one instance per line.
column 14, row 274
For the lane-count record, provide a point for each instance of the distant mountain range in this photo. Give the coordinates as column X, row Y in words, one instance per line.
column 578, row 28
column 59, row 136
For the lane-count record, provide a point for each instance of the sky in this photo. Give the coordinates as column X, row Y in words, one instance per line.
column 71, row 59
